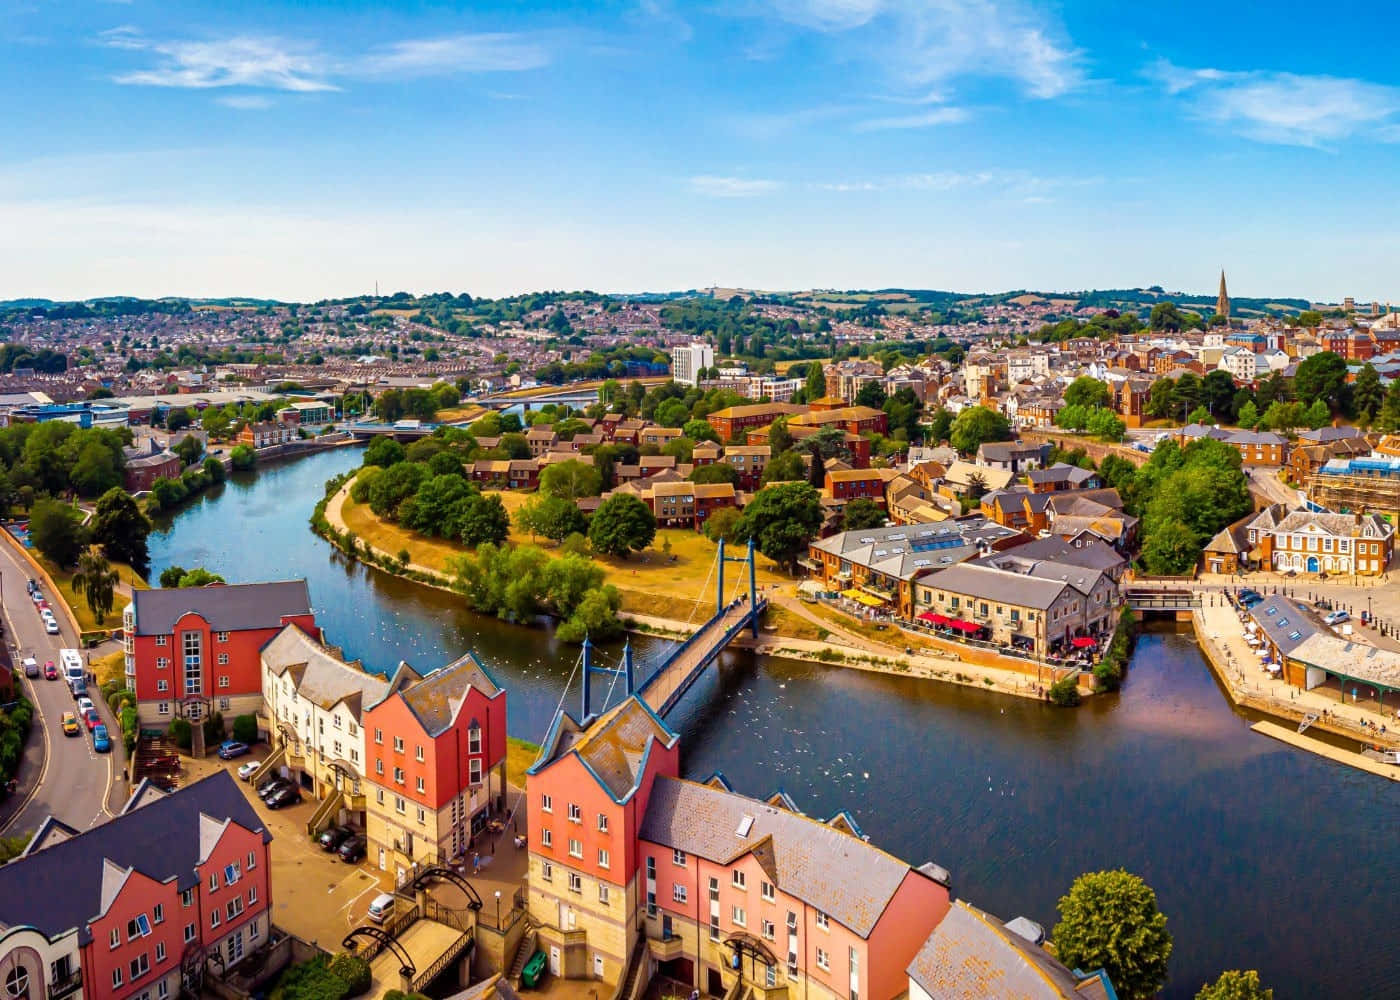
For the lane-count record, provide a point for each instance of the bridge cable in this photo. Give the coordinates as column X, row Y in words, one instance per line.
column 703, row 588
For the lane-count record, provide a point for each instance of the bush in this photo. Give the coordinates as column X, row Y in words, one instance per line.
column 243, row 457
column 131, row 727
column 1065, row 692
column 353, row 971
column 181, row 732
column 1110, row 670
column 245, row 729
column 312, row 980
column 214, row 729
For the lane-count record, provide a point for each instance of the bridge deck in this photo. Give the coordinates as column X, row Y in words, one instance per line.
column 664, row 688
column 426, row 941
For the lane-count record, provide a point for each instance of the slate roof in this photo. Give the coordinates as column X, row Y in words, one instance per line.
column 614, row 748
column 226, row 607
column 61, row 887
column 436, row 699
column 320, row 676
column 973, row 956
column 995, row 584
column 1093, row 555
column 906, row 550
column 841, row 875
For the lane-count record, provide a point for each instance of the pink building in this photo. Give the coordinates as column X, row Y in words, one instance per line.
column 176, row 875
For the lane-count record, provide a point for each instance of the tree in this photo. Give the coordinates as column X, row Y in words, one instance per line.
column 941, row 426
column 783, row 468
column 189, row 449
column 871, row 394
column 700, row 430
column 484, row 519
column 1248, row 415
column 1321, row 376
column 1171, row 549
column 1367, row 396
column 384, row 451
column 438, row 506
column 1200, row 415
column 1235, row 985
column 1109, row 920
column 96, row 470
column 715, row 472
column 672, row 413
column 1159, row 398
column 779, row 437
column 552, row 517
column 214, row 470
column 97, row 582
column 571, row 480
column 621, row 525
column 1166, row 316
column 1086, row 391
column 1117, row 472
column 393, row 486
column 56, row 532
column 177, row 418
column 198, row 577
column 1388, row 420
column 121, row 529
column 782, row 520
column 1318, row 415
column 1310, row 318
column 723, row 523
column 862, row 513
column 243, row 456
column 978, row 425
column 816, row 469
column 1218, row 394
column 816, row 381
column 170, row 576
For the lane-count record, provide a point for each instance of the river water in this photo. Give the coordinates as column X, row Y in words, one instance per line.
column 1262, row 856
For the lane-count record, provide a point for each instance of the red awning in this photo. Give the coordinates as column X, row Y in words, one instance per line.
column 1083, row 642
column 964, row 626
column 933, row 616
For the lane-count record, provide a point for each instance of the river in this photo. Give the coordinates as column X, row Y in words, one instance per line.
column 1262, row 856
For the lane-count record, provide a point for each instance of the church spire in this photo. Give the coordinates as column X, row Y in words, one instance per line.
column 1222, row 304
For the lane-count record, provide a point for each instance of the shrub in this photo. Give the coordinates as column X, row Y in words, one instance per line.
column 181, row 732
column 131, row 727
column 245, row 729
column 353, row 971
column 243, row 457
column 1065, row 692
column 214, row 729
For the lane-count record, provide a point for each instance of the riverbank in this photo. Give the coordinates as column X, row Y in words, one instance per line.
column 836, row 646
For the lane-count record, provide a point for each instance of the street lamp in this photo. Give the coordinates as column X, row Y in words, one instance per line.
column 498, row 909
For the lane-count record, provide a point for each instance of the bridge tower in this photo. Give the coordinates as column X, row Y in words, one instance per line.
column 753, row 580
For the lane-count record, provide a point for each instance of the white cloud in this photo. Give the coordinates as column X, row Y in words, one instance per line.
column 927, row 42
column 1284, row 108
column 663, row 12
column 240, row 61
column 246, row 102
column 924, row 119
column 488, row 52
column 732, row 187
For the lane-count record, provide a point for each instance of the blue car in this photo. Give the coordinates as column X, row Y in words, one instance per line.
column 229, row 749
column 100, row 740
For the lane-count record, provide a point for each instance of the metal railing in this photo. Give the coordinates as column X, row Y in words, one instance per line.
column 69, row 984
column 463, row 943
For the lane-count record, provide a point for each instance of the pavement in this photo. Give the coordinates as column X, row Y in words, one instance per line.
column 61, row 775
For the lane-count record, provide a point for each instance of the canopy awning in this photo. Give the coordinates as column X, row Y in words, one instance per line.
column 964, row 626
column 935, row 617
column 862, row 598
column 1083, row 642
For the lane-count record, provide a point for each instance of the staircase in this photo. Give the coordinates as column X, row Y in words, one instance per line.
column 633, row 984
column 524, row 952
column 321, row 818
column 273, row 762
column 1308, row 720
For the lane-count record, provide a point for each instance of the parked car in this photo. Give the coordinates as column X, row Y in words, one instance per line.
column 331, row 839
column 29, row 585
column 51, row 626
column 1336, row 618
column 248, row 769
column 271, row 785
column 381, row 907
column 352, row 850
column 50, row 671
column 31, row 667
column 70, row 724
column 85, row 703
column 36, row 596
column 92, row 719
column 283, row 797
column 229, row 749
column 100, row 741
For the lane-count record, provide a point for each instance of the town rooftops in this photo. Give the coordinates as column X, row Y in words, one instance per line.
column 71, row 881
column 972, row 955
column 1325, row 435
column 226, row 607
column 997, row 585
column 322, row 677
column 613, row 748
column 1325, row 523
column 758, row 410
column 436, row 699
column 843, row 876
column 906, row 550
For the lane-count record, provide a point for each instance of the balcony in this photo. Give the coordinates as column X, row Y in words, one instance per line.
column 665, row 949
column 69, row 985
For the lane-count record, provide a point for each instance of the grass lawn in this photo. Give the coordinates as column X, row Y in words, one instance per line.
column 109, row 668
column 651, row 581
column 520, row 754
column 459, row 413
column 87, row 621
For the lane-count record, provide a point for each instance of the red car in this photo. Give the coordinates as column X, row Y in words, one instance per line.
column 50, row 671
column 92, row 718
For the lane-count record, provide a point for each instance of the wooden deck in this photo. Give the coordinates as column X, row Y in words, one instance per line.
column 1349, row 757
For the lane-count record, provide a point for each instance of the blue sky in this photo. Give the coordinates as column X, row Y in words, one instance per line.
column 311, row 149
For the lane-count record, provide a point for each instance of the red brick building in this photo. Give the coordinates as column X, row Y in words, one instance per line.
column 732, row 421
column 141, row 473
column 689, row 505
column 195, row 650
column 852, row 419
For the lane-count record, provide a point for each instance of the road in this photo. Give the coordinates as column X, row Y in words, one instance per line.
column 74, row 781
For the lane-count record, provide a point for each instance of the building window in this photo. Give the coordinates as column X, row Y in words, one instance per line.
column 162, row 685
column 766, row 888
column 160, row 640
column 547, row 837
column 602, row 823
column 378, row 766
column 189, row 932
column 546, row 871
column 252, row 895
column 575, row 813
column 679, row 893
column 740, row 880
column 547, row 803
column 221, row 637
column 422, row 816
column 740, row 917
column 379, row 796
column 399, row 805
column 116, row 978
column 114, row 939
column 398, row 744
column 604, row 858
column 253, row 929
column 421, row 785
column 214, row 918
column 474, row 739
column 160, row 951
column 822, row 921
column 223, row 662
column 379, row 736
column 575, row 848
column 158, row 914
column 193, row 662
column 187, row 897
column 474, row 771
column 163, row 708
column 678, row 858
column 769, row 930
column 823, row 960
column 398, row 776
column 418, row 753
column 575, row 882
column 223, row 703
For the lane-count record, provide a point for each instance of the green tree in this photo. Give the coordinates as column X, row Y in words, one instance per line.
column 1087, row 392
column 782, row 520
column 783, row 468
column 1218, row 394
column 170, row 576
column 816, row 468
column 941, row 426
column 700, row 430
column 1321, row 376
column 214, row 470
column 1248, row 415
column 723, row 523
column 1387, row 421
column 1318, row 415
column 571, row 480
column 1310, row 318
column 121, row 529
column 393, row 486
column 484, row 519
column 1159, row 398
column 1109, row 920
column 871, row 394
column 1117, row 472
column 1367, row 395
column 715, row 472
column 243, row 456
column 862, row 513
column 1166, row 316
column 384, row 451
column 1235, row 985
column 438, row 506
column 1064, row 693
column 97, row 582
column 199, row 577
column 96, row 470
column 551, row 517
column 976, row 426
column 189, row 449
column 672, row 413
column 816, row 381
column 779, row 437
column 56, row 532
column 1171, row 549
column 1200, row 415
column 622, row 524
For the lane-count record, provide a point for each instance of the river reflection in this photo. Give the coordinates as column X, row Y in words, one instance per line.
column 1262, row 857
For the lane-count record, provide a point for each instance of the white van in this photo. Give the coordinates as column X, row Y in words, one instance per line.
column 381, row 907
column 70, row 662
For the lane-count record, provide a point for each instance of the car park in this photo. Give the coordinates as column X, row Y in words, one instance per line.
column 331, row 839
column 50, row 671
column 70, row 724
column 284, row 796
column 248, row 769
column 352, row 850
column 229, row 749
column 101, row 742
column 31, row 667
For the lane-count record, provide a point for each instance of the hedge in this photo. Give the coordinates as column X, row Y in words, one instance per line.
column 1109, row 671
column 245, row 729
column 14, row 729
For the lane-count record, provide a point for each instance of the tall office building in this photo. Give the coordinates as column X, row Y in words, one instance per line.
column 689, row 362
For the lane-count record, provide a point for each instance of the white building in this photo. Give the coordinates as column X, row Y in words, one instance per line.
column 1240, row 363
column 689, row 362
